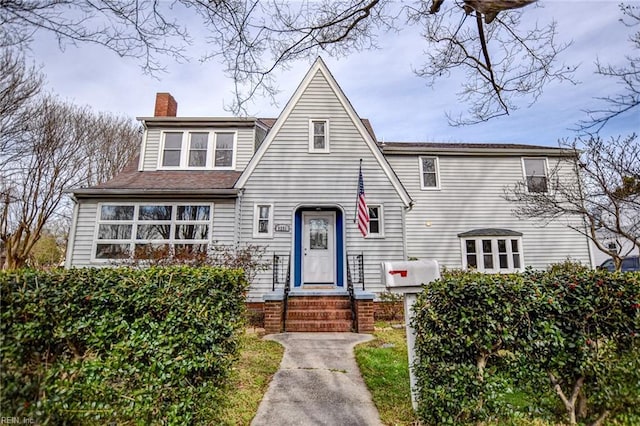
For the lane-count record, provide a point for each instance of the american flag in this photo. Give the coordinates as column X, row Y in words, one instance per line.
column 361, row 207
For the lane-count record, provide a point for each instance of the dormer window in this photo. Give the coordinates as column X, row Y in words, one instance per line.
column 319, row 136
column 198, row 150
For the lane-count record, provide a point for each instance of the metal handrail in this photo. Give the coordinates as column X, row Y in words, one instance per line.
column 359, row 260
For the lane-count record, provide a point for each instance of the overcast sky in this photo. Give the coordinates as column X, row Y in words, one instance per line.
column 380, row 84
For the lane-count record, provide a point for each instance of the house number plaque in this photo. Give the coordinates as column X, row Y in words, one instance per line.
column 282, row 227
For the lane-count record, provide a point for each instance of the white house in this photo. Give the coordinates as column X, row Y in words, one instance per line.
column 290, row 185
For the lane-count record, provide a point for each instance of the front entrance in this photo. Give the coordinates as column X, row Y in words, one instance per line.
column 319, row 247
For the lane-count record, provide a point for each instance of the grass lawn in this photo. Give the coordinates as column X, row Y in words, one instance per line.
column 385, row 368
column 259, row 361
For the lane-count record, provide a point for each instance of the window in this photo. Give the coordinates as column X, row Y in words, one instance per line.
column 172, row 149
column 319, row 136
column 198, row 143
column 535, row 171
column 500, row 252
column 429, row 173
column 263, row 221
column 198, row 150
column 145, row 230
column 375, row 221
column 224, row 150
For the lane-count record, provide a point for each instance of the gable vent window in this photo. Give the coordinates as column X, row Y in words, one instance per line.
column 429, row 178
column 535, row 171
column 492, row 250
column 319, row 136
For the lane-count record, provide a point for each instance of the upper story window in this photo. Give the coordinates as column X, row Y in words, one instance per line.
column 198, row 150
column 535, row 172
column 319, row 136
column 376, row 226
column 429, row 173
column 492, row 250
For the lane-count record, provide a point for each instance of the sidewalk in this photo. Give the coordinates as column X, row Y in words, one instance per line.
column 318, row 383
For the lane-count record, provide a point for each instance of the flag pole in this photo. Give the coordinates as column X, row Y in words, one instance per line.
column 355, row 214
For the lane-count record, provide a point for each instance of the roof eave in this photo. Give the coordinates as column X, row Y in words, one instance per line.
column 153, row 193
column 548, row 152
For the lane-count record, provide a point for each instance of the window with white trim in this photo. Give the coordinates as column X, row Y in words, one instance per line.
column 140, row 231
column 319, row 136
column 535, row 172
column 429, row 173
column 198, row 149
column 376, row 225
column 487, row 253
column 263, row 220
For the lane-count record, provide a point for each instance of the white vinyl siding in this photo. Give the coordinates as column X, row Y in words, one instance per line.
column 472, row 197
column 222, row 228
column 293, row 177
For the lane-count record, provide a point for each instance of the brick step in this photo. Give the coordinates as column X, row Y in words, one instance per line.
column 301, row 326
column 320, row 315
column 318, row 303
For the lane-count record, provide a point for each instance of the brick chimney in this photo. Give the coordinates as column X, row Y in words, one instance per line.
column 166, row 105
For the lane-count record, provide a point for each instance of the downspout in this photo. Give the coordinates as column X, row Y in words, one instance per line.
column 71, row 238
column 237, row 235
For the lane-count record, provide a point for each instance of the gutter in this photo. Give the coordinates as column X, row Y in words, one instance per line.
column 389, row 150
column 154, row 193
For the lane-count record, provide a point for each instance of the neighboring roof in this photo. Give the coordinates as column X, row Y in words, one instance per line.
column 472, row 149
column 360, row 124
column 130, row 181
column 490, row 232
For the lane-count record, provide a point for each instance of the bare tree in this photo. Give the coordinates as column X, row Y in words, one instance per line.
column 600, row 182
column 253, row 38
column 628, row 76
column 502, row 63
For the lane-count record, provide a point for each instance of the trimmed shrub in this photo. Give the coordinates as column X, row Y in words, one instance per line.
column 537, row 344
column 126, row 345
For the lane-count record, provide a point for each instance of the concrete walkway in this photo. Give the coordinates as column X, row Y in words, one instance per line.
column 318, row 383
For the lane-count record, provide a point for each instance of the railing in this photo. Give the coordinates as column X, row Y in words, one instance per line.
column 355, row 275
column 282, row 276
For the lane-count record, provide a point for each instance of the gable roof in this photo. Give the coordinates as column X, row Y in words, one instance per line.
column 177, row 183
column 365, row 131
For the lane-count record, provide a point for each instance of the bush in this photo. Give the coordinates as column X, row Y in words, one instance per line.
column 503, row 346
column 128, row 345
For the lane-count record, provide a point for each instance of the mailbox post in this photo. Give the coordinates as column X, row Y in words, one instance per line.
column 407, row 278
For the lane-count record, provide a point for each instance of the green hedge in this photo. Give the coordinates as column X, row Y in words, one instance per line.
column 496, row 347
column 134, row 346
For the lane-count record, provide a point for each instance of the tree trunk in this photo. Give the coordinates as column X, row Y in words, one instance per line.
column 569, row 403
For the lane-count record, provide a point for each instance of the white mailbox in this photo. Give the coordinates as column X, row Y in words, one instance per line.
column 404, row 277
column 408, row 278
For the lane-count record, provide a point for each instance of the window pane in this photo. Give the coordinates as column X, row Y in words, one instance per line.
column 429, row 165
column 171, row 158
column 264, row 212
column 514, row 246
column 373, row 213
column 472, row 261
column 537, row 184
column 429, row 180
column 504, row 264
column 223, row 158
column 112, row 251
column 153, row 232
column 471, row 246
column 502, row 246
column 536, row 174
column 224, row 141
column 173, row 140
column 192, row 213
column 151, row 251
column 114, row 232
column 197, row 158
column 488, row 261
column 516, row 261
column 154, row 212
column 318, row 128
column 192, row 232
column 319, row 234
column 199, row 140
column 189, row 249
column 486, row 246
column 318, row 142
column 116, row 213
column 263, row 226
